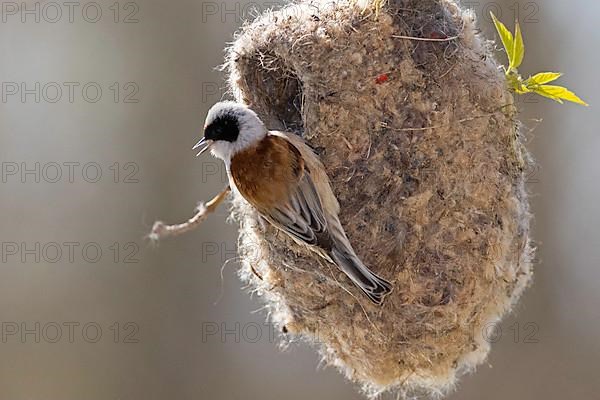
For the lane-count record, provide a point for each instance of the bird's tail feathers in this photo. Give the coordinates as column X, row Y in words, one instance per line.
column 373, row 286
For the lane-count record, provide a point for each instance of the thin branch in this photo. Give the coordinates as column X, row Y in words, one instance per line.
column 421, row 39
column 162, row 231
column 460, row 121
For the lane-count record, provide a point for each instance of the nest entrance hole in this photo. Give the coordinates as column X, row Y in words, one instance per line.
column 277, row 93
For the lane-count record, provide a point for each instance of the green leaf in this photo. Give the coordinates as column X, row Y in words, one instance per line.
column 558, row 93
column 515, row 50
column 518, row 48
column 542, row 77
column 506, row 37
column 541, row 92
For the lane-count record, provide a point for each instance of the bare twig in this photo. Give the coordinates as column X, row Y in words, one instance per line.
column 161, row 231
column 460, row 121
column 422, row 39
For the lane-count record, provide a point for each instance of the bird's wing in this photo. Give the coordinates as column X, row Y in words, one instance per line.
column 302, row 215
column 281, row 188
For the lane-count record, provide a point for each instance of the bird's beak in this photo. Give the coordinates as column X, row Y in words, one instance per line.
column 203, row 142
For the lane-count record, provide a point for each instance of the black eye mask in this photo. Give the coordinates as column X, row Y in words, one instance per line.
column 225, row 127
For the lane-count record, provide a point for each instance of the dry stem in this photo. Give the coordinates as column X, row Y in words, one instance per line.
column 161, row 231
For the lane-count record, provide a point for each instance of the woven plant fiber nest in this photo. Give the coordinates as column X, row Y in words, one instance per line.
column 411, row 117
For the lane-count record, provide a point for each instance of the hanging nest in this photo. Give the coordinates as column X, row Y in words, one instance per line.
column 411, row 117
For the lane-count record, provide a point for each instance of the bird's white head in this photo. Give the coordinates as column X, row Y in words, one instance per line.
column 229, row 128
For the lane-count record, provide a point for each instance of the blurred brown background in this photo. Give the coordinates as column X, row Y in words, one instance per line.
column 102, row 148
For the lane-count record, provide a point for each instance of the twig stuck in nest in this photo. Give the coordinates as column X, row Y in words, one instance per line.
column 161, row 231
column 422, row 39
